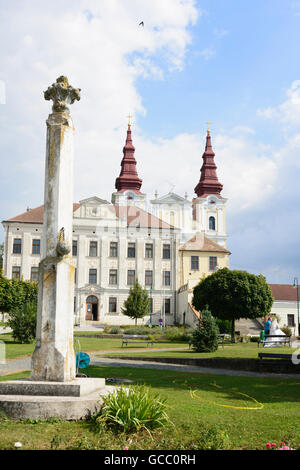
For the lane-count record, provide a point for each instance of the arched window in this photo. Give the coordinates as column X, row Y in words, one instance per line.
column 212, row 223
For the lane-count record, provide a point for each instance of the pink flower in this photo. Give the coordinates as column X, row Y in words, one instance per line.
column 273, row 444
column 268, row 445
column 126, row 448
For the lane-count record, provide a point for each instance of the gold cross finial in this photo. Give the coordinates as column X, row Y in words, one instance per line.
column 208, row 125
column 129, row 119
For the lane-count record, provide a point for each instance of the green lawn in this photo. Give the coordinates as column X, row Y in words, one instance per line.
column 15, row 350
column 238, row 350
column 279, row 418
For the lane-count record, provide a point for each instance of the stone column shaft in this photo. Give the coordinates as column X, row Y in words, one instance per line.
column 53, row 358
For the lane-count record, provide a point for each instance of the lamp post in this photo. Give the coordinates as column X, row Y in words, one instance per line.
column 297, row 287
column 151, row 306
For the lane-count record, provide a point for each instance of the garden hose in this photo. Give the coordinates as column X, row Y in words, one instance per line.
column 261, row 405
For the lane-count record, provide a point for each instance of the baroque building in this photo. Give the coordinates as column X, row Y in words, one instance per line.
column 167, row 243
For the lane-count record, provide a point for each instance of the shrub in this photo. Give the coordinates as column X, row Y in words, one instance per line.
column 137, row 331
column 115, row 330
column 131, row 409
column 174, row 334
column 254, row 339
column 286, row 330
column 22, row 321
column 205, row 337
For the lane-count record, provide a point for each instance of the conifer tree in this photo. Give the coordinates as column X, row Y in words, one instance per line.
column 137, row 304
column 205, row 337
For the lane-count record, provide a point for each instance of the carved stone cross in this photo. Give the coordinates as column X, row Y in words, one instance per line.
column 61, row 93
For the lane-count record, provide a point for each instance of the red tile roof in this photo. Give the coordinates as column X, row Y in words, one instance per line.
column 199, row 242
column 34, row 216
column 283, row 292
column 135, row 216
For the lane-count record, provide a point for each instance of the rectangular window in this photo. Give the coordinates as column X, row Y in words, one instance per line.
column 149, row 250
column 291, row 320
column 36, row 247
column 166, row 251
column 112, row 305
column 113, row 277
column 74, row 304
column 113, row 253
column 130, row 277
column 131, row 250
column 75, row 276
column 167, row 306
column 93, row 276
column 93, row 248
column 34, row 275
column 167, row 278
column 213, row 262
column 195, row 263
column 16, row 272
column 74, row 247
column 17, row 246
column 148, row 278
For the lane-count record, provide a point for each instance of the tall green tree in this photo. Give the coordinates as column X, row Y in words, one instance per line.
column 137, row 304
column 14, row 293
column 232, row 294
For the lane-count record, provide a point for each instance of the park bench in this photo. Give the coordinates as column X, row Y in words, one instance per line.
column 134, row 339
column 281, row 362
column 284, row 340
column 221, row 339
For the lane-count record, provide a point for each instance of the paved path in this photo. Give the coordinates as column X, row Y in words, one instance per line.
column 22, row 364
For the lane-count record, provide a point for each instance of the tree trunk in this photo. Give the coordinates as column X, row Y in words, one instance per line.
column 135, row 321
column 232, row 331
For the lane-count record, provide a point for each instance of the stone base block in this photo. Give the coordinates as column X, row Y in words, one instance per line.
column 76, row 388
column 68, row 401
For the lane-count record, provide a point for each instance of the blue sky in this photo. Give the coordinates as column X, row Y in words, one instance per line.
column 234, row 63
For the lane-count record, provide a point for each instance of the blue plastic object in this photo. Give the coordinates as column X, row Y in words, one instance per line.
column 82, row 360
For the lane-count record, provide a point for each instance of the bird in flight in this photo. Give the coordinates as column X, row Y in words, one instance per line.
column 141, row 23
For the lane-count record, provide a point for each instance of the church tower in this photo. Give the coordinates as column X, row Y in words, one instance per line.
column 128, row 184
column 209, row 206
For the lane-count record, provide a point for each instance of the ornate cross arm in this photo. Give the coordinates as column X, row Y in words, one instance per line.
column 61, row 93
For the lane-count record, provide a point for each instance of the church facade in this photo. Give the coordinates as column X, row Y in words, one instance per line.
column 167, row 244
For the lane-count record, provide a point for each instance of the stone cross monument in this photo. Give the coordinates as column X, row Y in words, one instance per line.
column 53, row 389
column 53, row 358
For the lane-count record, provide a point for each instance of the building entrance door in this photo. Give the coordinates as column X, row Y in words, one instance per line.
column 91, row 308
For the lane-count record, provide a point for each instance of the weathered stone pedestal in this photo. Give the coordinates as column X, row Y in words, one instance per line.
column 72, row 400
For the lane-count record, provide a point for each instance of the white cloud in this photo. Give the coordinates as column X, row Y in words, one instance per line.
column 103, row 50
column 220, row 33
column 207, row 53
column 288, row 113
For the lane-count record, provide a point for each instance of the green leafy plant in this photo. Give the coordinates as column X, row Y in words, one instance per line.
column 131, row 409
column 205, row 337
column 114, row 330
column 212, row 438
column 22, row 321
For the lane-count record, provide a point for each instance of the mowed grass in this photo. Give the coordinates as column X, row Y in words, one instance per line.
column 219, row 400
column 237, row 350
column 15, row 350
